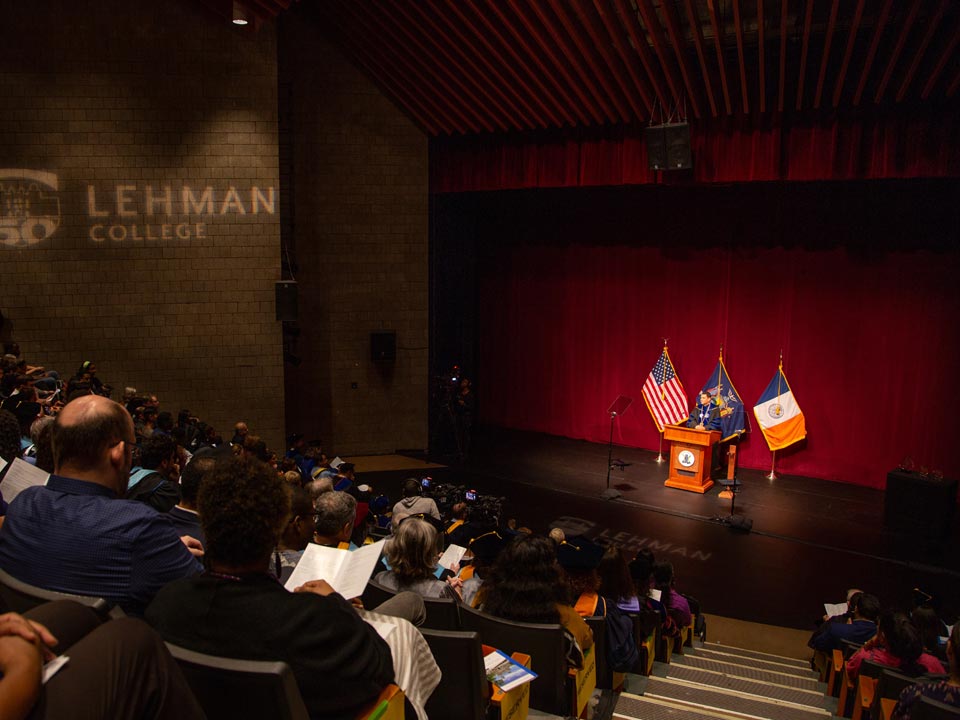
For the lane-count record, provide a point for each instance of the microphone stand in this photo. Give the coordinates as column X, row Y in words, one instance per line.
column 609, row 494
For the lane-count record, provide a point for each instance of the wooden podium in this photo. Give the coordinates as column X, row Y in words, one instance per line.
column 691, row 457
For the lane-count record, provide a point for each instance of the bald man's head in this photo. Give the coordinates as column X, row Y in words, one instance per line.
column 86, row 429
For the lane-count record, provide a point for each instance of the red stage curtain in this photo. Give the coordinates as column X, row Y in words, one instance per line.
column 870, row 345
column 723, row 152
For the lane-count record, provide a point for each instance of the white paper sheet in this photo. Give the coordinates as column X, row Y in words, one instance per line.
column 347, row 572
column 53, row 667
column 19, row 477
column 451, row 556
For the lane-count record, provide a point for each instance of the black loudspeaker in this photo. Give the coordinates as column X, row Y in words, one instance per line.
column 656, row 141
column 286, row 300
column 678, row 146
column 383, row 347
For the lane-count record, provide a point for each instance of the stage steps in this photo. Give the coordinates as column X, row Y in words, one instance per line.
column 721, row 681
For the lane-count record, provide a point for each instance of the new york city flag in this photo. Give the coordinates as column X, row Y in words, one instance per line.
column 733, row 418
column 779, row 415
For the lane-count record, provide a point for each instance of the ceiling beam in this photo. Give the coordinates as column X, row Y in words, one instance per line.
column 872, row 52
column 628, row 89
column 783, row 54
column 519, row 8
column 639, row 41
column 679, row 49
column 525, row 98
column 615, row 31
column 573, row 111
column 518, row 67
column 942, row 62
column 495, row 107
column 738, row 29
column 652, row 24
column 828, row 41
column 761, row 47
column 718, row 43
column 694, row 21
column 955, row 83
column 416, row 47
column 848, row 52
column 573, row 56
column 391, row 58
column 584, row 45
column 932, row 26
column 414, row 103
column 805, row 47
column 898, row 48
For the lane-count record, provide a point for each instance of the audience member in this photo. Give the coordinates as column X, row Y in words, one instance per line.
column 120, row 669
column 155, row 482
column 238, row 609
column 641, row 571
column 945, row 691
column 76, row 535
column 864, row 609
column 413, row 503
column 292, row 478
column 298, row 532
column 240, row 432
column 579, row 558
column 184, row 514
column 412, row 557
column 928, row 625
column 335, row 515
column 675, row 603
column 525, row 585
column 897, row 644
column 485, row 549
column 615, row 580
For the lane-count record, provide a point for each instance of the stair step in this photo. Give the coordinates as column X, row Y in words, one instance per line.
column 735, row 669
column 732, row 650
column 635, row 707
column 726, row 701
column 772, row 665
column 811, row 698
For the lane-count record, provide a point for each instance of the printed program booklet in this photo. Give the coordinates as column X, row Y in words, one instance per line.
column 505, row 672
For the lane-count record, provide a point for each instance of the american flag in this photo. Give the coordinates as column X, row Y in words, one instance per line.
column 664, row 394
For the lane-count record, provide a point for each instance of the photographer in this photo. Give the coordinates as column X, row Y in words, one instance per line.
column 413, row 503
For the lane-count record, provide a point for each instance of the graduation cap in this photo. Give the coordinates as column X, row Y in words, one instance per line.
column 486, row 547
column 579, row 554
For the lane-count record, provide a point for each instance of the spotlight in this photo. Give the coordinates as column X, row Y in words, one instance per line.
column 240, row 15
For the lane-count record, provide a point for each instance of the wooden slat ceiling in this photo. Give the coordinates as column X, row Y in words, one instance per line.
column 476, row 66
column 461, row 67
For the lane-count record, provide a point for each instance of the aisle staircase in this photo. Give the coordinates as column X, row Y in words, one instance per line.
column 714, row 681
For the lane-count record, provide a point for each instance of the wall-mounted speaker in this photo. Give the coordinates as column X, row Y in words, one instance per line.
column 678, row 146
column 668, row 147
column 285, row 295
column 383, row 347
column 656, row 142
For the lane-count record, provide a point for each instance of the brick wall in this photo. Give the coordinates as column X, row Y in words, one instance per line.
column 117, row 96
column 359, row 231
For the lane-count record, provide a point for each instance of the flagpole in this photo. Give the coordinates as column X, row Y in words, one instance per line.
column 773, row 464
column 660, row 451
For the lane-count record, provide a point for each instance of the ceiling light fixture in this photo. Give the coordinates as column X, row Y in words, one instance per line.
column 240, row 15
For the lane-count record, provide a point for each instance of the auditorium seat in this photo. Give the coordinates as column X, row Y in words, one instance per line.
column 866, row 688
column 442, row 614
column 228, row 689
column 889, row 686
column 546, row 646
column 928, row 709
column 465, row 694
column 19, row 597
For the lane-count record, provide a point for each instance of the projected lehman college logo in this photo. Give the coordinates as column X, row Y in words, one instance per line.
column 29, row 206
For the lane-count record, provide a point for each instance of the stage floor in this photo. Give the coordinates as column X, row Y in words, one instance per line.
column 811, row 539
